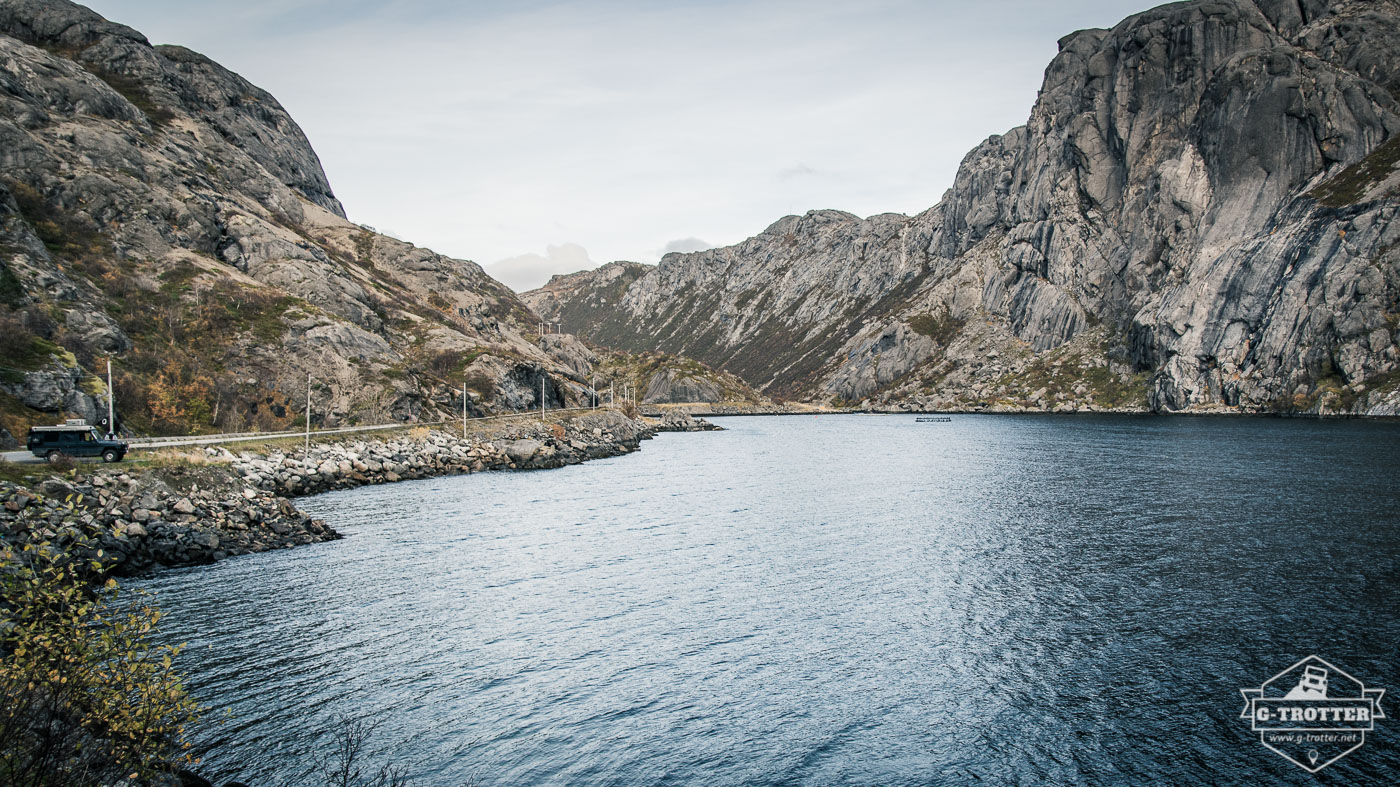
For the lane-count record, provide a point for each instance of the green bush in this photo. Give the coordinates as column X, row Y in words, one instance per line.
column 85, row 697
column 941, row 329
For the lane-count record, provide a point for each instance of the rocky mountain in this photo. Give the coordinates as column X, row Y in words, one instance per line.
column 158, row 208
column 1197, row 215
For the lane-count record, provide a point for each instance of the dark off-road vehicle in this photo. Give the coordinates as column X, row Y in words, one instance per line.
column 74, row 438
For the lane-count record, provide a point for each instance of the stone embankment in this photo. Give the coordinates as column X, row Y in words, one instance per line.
column 140, row 520
column 533, row 446
column 235, row 504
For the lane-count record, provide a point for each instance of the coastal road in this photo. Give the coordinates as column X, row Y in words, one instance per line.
column 151, row 443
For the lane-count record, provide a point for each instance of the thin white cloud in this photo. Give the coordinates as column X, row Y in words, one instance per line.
column 528, row 271
column 684, row 245
column 798, row 170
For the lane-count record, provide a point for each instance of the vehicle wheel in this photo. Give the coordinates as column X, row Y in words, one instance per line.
column 110, row 455
column 54, row 457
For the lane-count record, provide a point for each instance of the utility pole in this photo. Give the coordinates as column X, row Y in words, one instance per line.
column 308, row 413
column 542, row 398
column 612, row 393
column 464, row 410
column 595, row 392
column 111, row 405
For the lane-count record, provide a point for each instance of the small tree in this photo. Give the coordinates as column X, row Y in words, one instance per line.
column 85, row 698
column 343, row 765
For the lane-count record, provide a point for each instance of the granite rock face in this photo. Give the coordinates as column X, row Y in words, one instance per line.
column 1197, row 214
column 673, row 386
column 156, row 206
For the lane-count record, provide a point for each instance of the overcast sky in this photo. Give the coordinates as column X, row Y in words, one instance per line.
column 561, row 135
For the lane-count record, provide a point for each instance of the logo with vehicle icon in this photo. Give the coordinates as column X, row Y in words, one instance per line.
column 1312, row 713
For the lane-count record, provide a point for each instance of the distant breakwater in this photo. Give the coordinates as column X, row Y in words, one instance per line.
column 237, row 504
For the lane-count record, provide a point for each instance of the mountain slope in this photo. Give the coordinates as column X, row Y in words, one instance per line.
column 1198, row 213
column 157, row 207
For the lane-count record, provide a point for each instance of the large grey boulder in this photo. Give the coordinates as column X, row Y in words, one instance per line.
column 567, row 350
column 671, row 385
column 521, row 451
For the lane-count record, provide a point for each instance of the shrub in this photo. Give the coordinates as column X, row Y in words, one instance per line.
column 942, row 328
column 447, row 363
column 85, row 698
column 65, row 234
column 342, row 765
column 12, row 292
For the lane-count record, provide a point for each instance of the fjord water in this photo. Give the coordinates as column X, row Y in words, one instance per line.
column 832, row 599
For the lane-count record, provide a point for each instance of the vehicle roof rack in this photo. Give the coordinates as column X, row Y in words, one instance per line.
column 68, row 427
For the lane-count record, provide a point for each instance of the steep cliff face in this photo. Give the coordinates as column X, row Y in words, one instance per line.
column 157, row 207
column 1198, row 213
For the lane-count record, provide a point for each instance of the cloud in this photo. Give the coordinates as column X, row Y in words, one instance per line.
column 528, row 271
column 799, row 171
column 686, row 244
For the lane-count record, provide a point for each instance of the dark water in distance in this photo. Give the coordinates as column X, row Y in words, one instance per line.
column 824, row 600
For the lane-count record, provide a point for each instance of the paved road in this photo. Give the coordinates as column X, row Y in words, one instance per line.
column 150, row 443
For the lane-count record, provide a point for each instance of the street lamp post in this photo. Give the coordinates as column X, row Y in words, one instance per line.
column 111, row 404
column 308, row 414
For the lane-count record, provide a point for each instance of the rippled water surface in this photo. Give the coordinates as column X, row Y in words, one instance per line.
column 834, row 599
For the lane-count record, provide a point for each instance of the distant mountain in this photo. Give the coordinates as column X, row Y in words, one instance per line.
column 157, row 207
column 1199, row 213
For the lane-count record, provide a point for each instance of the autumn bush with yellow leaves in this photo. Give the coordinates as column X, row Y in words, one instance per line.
column 85, row 696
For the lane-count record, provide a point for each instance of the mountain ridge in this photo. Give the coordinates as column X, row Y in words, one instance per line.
column 1198, row 210
column 159, row 209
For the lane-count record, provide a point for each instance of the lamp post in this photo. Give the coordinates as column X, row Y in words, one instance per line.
column 308, row 413
column 111, row 404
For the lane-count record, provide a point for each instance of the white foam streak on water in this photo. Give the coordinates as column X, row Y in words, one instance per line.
column 820, row 599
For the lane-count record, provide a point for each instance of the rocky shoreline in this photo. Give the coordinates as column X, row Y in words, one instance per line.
column 236, row 504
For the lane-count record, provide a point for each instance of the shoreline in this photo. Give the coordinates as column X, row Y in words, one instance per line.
column 709, row 410
column 218, row 504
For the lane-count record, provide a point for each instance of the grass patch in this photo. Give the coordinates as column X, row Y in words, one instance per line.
column 134, row 91
column 23, row 351
column 21, row 475
column 17, row 418
column 12, row 292
column 175, row 380
column 1350, row 185
column 450, row 364
column 942, row 328
column 364, row 248
column 63, row 234
column 1059, row 375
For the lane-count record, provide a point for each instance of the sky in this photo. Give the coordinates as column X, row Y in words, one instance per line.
column 538, row 137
